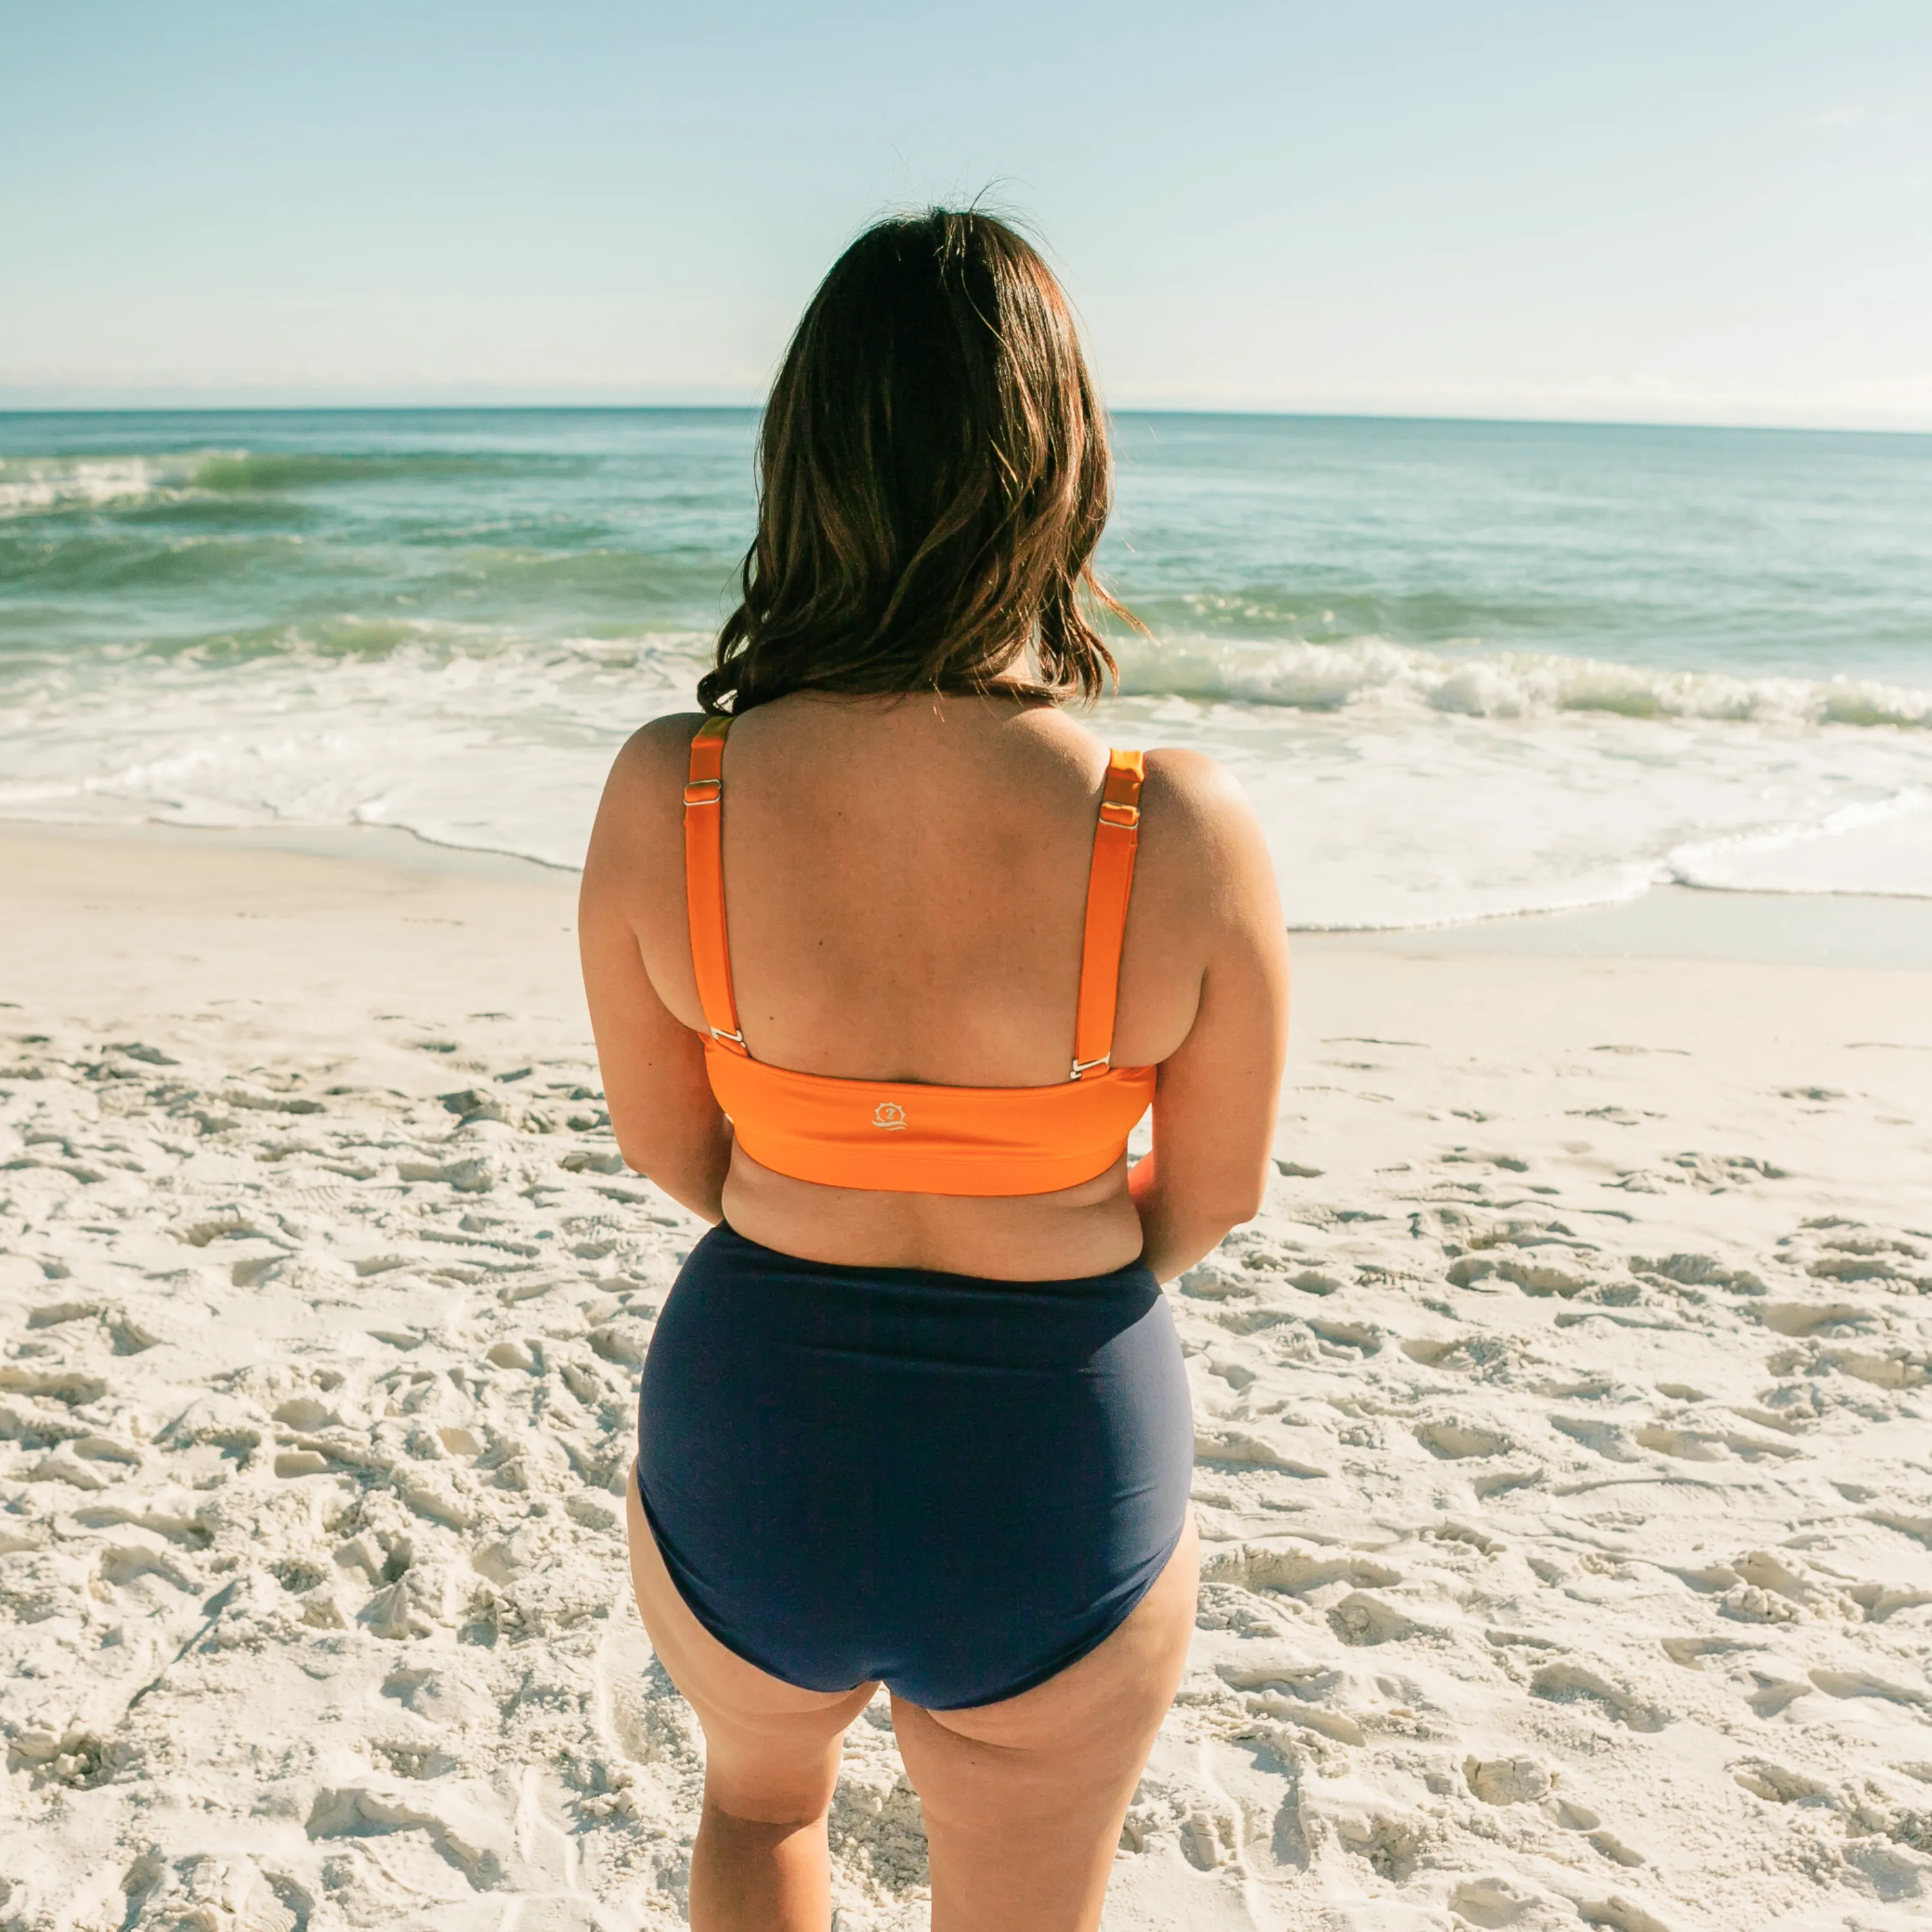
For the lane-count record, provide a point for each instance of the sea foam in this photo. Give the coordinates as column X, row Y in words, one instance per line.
column 1367, row 672
column 1381, row 811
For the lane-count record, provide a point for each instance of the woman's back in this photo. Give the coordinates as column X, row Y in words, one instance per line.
column 906, row 886
column 906, row 882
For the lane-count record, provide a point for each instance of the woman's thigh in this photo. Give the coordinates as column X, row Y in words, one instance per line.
column 771, row 1749
column 1023, row 1799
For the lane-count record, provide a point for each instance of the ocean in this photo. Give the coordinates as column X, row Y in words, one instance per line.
column 1462, row 670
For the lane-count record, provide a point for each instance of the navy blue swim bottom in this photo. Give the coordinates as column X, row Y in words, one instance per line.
column 959, row 1486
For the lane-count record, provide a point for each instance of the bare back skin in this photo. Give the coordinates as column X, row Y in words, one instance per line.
column 905, row 883
column 905, row 880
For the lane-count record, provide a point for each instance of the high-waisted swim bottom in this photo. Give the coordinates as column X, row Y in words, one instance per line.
column 959, row 1486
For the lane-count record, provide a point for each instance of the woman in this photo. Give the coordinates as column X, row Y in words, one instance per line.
column 880, row 985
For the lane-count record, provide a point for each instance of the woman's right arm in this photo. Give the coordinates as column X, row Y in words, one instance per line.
column 1214, row 1108
column 667, row 1123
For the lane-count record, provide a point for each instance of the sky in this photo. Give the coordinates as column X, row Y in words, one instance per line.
column 1699, row 211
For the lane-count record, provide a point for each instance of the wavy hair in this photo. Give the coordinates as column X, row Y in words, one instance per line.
column 933, row 477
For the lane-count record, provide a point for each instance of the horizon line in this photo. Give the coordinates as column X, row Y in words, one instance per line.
column 720, row 408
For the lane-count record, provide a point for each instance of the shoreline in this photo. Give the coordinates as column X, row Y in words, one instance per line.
column 1882, row 931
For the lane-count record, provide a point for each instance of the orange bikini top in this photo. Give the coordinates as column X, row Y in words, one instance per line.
column 911, row 1137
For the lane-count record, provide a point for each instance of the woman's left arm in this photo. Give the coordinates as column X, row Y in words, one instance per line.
column 667, row 1122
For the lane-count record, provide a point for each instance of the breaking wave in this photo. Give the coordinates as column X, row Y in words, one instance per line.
column 31, row 485
column 1369, row 674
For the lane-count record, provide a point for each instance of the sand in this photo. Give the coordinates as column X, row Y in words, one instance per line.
column 1563, row 1464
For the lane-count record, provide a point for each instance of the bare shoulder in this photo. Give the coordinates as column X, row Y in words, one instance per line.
column 643, row 801
column 1200, row 831
column 1192, row 800
column 647, row 776
column 1199, row 784
column 657, row 753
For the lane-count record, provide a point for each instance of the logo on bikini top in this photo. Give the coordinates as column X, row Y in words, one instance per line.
column 890, row 1115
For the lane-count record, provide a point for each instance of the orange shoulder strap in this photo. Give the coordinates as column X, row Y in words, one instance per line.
column 1116, row 838
column 704, row 882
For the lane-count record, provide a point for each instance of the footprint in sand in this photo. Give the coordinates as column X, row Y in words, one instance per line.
column 1568, row 1683
column 1456, row 1441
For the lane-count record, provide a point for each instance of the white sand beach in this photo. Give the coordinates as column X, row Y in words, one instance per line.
column 1563, row 1466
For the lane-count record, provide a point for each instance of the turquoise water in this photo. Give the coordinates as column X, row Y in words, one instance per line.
column 1462, row 668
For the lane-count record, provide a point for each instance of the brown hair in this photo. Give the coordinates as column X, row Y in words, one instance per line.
column 934, row 476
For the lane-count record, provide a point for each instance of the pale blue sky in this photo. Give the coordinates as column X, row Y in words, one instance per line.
column 1697, row 212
